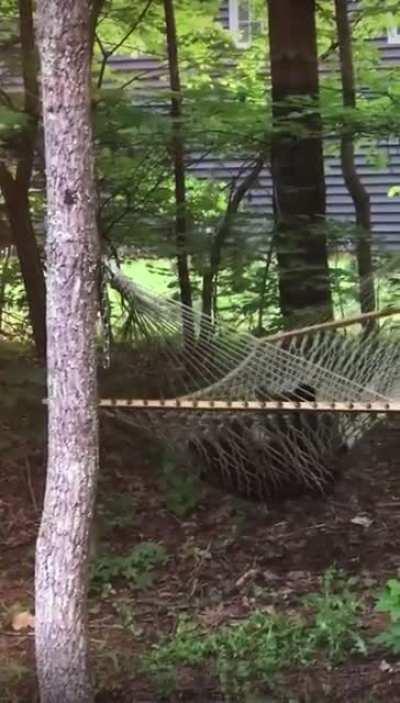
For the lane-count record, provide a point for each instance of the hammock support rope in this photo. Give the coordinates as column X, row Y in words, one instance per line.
column 244, row 406
column 264, row 418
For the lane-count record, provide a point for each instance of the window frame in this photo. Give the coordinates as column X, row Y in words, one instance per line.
column 393, row 35
column 234, row 24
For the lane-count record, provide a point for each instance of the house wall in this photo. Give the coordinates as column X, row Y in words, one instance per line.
column 152, row 76
column 385, row 211
column 223, row 14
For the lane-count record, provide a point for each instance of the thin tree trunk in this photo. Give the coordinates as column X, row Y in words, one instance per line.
column 16, row 198
column 3, row 283
column 15, row 188
column 357, row 191
column 96, row 7
column 178, row 151
column 235, row 200
column 263, row 291
column 72, row 256
column 297, row 165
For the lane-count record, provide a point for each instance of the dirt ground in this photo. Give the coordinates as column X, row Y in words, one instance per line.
column 226, row 560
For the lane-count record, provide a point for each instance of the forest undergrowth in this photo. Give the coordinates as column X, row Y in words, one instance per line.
column 199, row 596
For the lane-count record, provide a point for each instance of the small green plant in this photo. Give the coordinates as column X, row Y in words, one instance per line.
column 118, row 511
column 247, row 655
column 250, row 654
column 189, row 647
column 126, row 615
column 137, row 567
column 243, row 656
column 12, row 672
column 182, row 489
column 389, row 602
column 336, row 610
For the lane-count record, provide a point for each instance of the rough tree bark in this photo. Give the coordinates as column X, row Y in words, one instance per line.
column 297, row 164
column 357, row 191
column 72, row 257
column 178, row 153
column 15, row 186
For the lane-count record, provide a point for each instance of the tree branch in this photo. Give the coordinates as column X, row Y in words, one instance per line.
column 107, row 53
column 223, row 230
column 95, row 11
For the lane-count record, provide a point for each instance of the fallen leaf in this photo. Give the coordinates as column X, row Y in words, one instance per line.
column 298, row 575
column 271, row 576
column 212, row 617
column 21, row 621
column 362, row 521
column 250, row 574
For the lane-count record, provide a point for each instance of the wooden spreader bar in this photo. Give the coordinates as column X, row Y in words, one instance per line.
column 253, row 405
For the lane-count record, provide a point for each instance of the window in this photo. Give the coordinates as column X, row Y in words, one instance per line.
column 240, row 22
column 393, row 35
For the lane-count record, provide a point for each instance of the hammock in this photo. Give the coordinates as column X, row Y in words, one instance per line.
column 258, row 453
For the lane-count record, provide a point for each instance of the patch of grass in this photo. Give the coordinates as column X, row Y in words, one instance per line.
column 12, row 673
column 117, row 511
column 136, row 568
column 154, row 274
column 182, row 489
column 389, row 602
column 159, row 276
column 248, row 655
column 336, row 609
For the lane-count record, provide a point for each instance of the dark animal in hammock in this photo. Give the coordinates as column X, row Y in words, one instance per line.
column 271, row 457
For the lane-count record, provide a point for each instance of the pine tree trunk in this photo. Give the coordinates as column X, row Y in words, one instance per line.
column 297, row 165
column 15, row 186
column 355, row 186
column 72, row 257
column 178, row 154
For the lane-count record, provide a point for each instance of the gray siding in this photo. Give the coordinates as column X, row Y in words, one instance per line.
column 385, row 211
column 150, row 77
column 390, row 53
column 223, row 14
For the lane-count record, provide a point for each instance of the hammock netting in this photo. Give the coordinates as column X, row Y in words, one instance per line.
column 261, row 455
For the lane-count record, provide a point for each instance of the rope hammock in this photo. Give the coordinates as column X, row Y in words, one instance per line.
column 283, row 407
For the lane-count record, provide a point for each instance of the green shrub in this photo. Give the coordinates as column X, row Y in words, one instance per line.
column 136, row 568
column 389, row 602
column 336, row 610
column 249, row 654
column 182, row 489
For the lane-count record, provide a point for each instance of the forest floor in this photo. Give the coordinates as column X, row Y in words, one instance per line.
column 215, row 567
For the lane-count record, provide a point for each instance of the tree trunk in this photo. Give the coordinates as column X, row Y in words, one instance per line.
column 3, row 282
column 297, row 165
column 178, row 151
column 260, row 332
column 357, row 191
column 72, row 257
column 236, row 197
column 96, row 7
column 16, row 198
column 15, row 189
